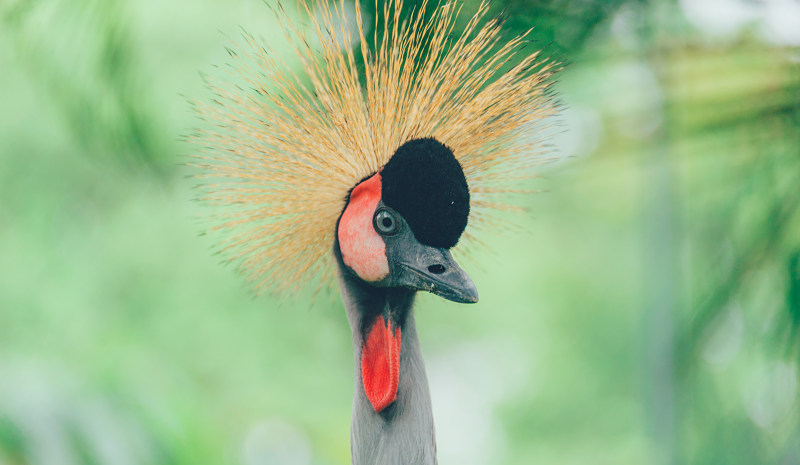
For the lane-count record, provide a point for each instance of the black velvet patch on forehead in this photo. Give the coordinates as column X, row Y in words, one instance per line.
column 424, row 183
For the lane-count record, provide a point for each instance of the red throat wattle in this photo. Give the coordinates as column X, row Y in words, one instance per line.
column 380, row 364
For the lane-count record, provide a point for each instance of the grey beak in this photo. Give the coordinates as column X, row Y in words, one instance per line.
column 424, row 268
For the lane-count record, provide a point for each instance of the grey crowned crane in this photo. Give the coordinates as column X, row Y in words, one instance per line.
column 372, row 168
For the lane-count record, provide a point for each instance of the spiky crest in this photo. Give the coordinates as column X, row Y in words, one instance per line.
column 281, row 156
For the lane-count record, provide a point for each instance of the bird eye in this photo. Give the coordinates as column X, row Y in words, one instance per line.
column 385, row 223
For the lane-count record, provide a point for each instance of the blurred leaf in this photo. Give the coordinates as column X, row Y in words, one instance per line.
column 92, row 76
column 12, row 443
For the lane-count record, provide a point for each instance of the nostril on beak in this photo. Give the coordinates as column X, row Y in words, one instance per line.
column 437, row 269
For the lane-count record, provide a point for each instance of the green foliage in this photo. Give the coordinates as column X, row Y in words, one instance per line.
column 82, row 56
column 649, row 312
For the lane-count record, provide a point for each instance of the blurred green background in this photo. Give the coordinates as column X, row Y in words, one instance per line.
column 648, row 313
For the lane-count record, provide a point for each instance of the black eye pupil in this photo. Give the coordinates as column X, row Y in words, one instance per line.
column 387, row 222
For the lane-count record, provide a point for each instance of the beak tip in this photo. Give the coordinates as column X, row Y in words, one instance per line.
column 468, row 294
column 472, row 296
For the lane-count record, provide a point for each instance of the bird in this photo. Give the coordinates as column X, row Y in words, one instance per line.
column 397, row 140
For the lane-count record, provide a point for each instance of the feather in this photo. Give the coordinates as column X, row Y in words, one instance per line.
column 281, row 153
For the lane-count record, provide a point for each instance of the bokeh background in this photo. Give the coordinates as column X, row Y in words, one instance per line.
column 647, row 313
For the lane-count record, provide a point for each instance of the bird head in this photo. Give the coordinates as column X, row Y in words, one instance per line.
column 396, row 231
column 400, row 223
column 281, row 156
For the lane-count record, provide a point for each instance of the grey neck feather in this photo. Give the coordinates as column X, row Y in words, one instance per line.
column 402, row 434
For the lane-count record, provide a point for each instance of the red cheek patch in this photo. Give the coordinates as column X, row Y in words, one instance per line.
column 380, row 364
column 363, row 249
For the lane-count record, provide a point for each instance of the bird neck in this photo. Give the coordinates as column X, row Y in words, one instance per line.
column 403, row 432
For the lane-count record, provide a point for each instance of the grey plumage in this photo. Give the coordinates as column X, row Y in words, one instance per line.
column 402, row 434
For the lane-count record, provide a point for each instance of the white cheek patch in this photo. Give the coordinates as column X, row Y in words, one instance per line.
column 363, row 249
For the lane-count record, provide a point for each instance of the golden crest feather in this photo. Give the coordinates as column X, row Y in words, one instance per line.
column 280, row 158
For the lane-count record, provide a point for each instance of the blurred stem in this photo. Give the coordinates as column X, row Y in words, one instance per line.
column 659, row 264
